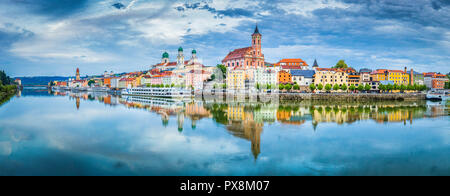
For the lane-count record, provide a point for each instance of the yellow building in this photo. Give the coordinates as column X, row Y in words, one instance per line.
column 399, row 77
column 236, row 78
column 331, row 76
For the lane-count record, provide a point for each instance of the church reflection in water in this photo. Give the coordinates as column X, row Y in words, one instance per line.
column 247, row 120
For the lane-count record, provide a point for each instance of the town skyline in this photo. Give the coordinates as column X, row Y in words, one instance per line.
column 53, row 39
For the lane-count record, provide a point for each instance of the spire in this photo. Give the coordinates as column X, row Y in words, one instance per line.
column 256, row 31
column 315, row 63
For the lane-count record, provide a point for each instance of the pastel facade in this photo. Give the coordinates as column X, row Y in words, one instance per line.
column 303, row 77
column 284, row 77
column 292, row 64
column 331, row 76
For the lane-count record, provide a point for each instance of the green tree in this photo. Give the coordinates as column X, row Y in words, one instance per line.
column 396, row 86
column 312, row 87
column 281, row 87
column 328, row 87
column 402, row 88
column 172, row 85
column 341, row 64
column 224, row 86
column 297, row 87
column 148, row 85
column 91, row 82
column 336, row 87
column 352, row 87
column 258, row 86
column 344, row 87
column 320, row 87
column 410, row 87
column 381, row 87
column 288, row 87
column 389, row 87
column 361, row 88
column 223, row 69
column 367, row 87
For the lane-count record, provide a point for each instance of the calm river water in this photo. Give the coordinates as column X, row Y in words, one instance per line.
column 44, row 133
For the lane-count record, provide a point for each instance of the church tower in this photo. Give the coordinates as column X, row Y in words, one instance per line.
column 78, row 74
column 165, row 58
column 180, row 58
column 256, row 46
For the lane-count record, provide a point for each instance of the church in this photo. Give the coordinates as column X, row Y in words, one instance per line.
column 249, row 57
column 180, row 65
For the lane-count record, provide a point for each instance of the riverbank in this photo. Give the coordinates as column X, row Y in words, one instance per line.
column 6, row 92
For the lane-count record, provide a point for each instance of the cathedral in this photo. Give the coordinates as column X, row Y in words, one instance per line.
column 180, row 65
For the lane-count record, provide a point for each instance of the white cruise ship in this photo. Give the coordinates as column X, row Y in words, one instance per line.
column 158, row 92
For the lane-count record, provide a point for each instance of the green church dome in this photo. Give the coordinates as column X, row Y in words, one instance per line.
column 165, row 55
column 194, row 51
column 180, row 49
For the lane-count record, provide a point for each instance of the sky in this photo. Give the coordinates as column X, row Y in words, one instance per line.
column 54, row 37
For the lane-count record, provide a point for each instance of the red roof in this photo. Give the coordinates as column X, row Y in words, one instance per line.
column 237, row 54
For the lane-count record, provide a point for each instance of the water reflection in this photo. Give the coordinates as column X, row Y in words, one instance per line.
column 247, row 120
column 101, row 134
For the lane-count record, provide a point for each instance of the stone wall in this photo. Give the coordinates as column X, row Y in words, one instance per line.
column 352, row 97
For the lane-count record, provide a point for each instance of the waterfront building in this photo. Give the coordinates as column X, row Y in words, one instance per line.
column 416, row 78
column 292, row 64
column 196, row 78
column 435, row 80
column 331, row 76
column 146, row 80
column 236, row 78
column 265, row 76
column 284, row 77
column 128, row 83
column 303, row 78
column 365, row 75
column 354, row 79
column 247, row 57
column 18, row 81
column 114, row 82
column 399, row 77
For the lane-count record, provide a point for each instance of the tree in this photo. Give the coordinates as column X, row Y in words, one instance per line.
column 320, row 87
column 402, row 88
column 361, row 88
column 281, row 87
column 258, row 86
column 389, row 87
column 91, row 82
column 382, row 87
column 297, row 87
column 288, row 87
column 5, row 79
column 224, row 86
column 410, row 87
column 172, row 85
column 341, row 64
column 336, row 87
column 328, row 87
column 344, row 87
column 148, row 85
column 312, row 87
column 367, row 87
column 352, row 87
column 167, row 86
column 447, row 85
column 223, row 69
column 396, row 87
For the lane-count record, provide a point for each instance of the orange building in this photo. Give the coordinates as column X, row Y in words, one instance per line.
column 107, row 82
column 284, row 77
column 288, row 64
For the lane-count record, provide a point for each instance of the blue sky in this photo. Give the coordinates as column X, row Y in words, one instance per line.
column 54, row 37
